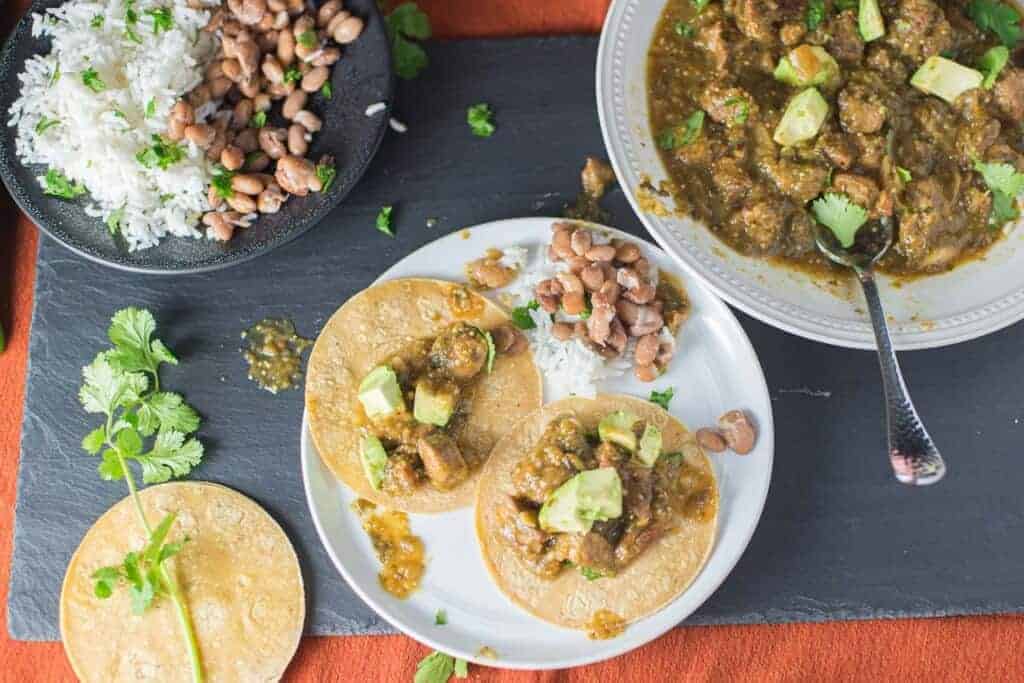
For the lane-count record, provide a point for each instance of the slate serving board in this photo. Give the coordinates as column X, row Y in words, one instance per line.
column 838, row 539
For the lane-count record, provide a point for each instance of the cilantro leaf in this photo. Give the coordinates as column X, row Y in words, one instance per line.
column 45, row 124
column 904, row 174
column 292, row 75
column 258, row 120
column 662, row 398
column 56, row 184
column 742, row 109
column 162, row 153
column 326, row 174
column 437, row 667
column 1006, row 184
column 408, row 57
column 591, row 574
column 440, row 618
column 991, row 64
column 405, row 24
column 815, row 14
column 221, row 181
column 683, row 134
column 94, row 440
column 131, row 332
column 684, row 29
column 92, row 80
column 166, row 410
column 307, row 39
column 106, row 389
column 113, row 221
column 840, row 215
column 998, row 17
column 479, row 119
column 326, row 90
column 96, row 21
column 409, row 20
column 171, row 456
column 151, row 108
column 163, row 19
column 700, row 4
column 521, row 315
column 384, row 220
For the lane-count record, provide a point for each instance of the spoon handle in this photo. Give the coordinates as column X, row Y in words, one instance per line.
column 914, row 457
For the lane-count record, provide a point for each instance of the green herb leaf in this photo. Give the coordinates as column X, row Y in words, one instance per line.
column 132, row 36
column 326, row 173
column 998, row 17
column 56, row 184
column 742, row 109
column 409, row 20
column 94, row 440
column 437, row 667
column 163, row 19
column 113, row 221
column 491, row 350
column 97, row 21
column 166, row 410
column 221, row 181
column 662, row 398
column 684, row 134
column 292, row 75
column 1006, row 184
column 128, row 442
column 700, row 4
column 384, row 220
column 131, row 332
column 162, row 153
column 991, row 64
column 105, row 389
column 408, row 57
column 684, row 29
column 258, row 120
column 904, row 174
column 92, row 80
column 171, row 456
column 307, row 39
column 45, row 124
column 840, row 215
column 151, row 108
column 106, row 578
column 591, row 574
column 843, row 5
column 479, row 119
column 326, row 90
column 55, row 76
column 440, row 618
column 815, row 14
column 521, row 315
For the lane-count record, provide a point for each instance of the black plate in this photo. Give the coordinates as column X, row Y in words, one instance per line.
column 362, row 76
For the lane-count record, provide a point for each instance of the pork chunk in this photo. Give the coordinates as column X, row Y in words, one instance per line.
column 442, row 460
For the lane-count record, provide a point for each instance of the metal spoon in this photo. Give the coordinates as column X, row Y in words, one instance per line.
column 914, row 457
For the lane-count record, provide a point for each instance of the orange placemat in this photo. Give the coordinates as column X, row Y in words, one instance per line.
column 974, row 648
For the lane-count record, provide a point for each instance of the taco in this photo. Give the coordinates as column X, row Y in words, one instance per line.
column 239, row 575
column 592, row 508
column 410, row 385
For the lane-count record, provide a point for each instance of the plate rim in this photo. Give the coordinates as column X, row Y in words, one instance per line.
column 766, row 425
column 22, row 29
column 995, row 316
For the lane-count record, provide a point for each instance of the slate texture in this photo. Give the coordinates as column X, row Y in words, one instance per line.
column 838, row 540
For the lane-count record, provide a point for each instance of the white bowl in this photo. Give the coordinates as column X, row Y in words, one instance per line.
column 973, row 300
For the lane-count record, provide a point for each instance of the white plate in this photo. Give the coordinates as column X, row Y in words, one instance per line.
column 973, row 300
column 715, row 370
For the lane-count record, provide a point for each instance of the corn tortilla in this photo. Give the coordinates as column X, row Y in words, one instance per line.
column 656, row 578
column 238, row 572
column 377, row 323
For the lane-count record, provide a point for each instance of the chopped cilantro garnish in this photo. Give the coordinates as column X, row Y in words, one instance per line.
column 521, row 315
column 292, row 75
column 1006, row 184
column 440, row 618
column 904, row 174
column 684, row 134
column 437, row 667
column 114, row 220
column 258, row 120
column 163, row 19
column 408, row 23
column 843, row 5
column 56, row 184
column 119, row 114
column 684, row 29
column 97, row 21
column 662, row 398
column 742, row 109
column 998, row 17
column 326, row 173
column 384, row 220
column 221, row 182
column 991, row 64
column 479, row 119
column 326, row 90
column 840, row 215
column 307, row 39
column 150, row 108
column 92, row 80
column 162, row 153
column 700, row 4
column 815, row 14
column 55, row 76
column 591, row 574
column 45, row 124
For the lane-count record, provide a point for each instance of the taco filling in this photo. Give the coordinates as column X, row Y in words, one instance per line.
column 595, row 501
column 415, row 401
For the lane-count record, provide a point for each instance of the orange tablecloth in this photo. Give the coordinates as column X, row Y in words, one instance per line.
column 979, row 648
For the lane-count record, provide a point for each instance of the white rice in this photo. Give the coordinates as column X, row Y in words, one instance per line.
column 569, row 368
column 100, row 133
column 376, row 108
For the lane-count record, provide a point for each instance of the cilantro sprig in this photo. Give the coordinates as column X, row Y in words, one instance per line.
column 662, row 398
column 480, row 119
column 840, row 215
column 383, row 222
column 521, row 315
column 815, row 14
column 406, row 24
column 684, row 134
column 92, row 80
column 1006, row 184
column 992, row 63
column 161, row 154
column 437, row 667
column 998, row 17
column 163, row 19
column 123, row 385
column 56, row 184
column 326, row 173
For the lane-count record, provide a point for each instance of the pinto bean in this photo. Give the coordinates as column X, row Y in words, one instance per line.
column 296, row 7
column 599, row 324
column 628, row 278
column 592, row 278
column 617, row 338
column 642, row 267
column 219, row 87
column 601, row 252
column 327, row 12
column 249, row 12
column 230, row 68
column 308, row 120
column 293, row 104
column 574, row 303
column 286, row 47
column 242, row 114
column 648, row 320
column 570, row 283
column 303, row 24
column 232, row 158
column 581, row 241
column 277, row 5
column 326, row 57
column 628, row 311
column 297, row 176
column 272, row 142
column 665, row 353
column 645, row 373
column 268, row 39
column 281, row 22
column 182, row 111
column 642, row 294
column 548, row 293
column 199, row 96
column 256, row 162
column 200, row 134
column 242, row 203
column 271, row 199
column 562, row 331
column 247, row 53
column 711, row 440
column 577, row 264
column 737, row 431
column 250, row 86
column 561, row 244
column 280, row 90
column 220, row 141
column 216, row 21
column 218, row 228
column 607, row 295
column 336, row 20
column 297, row 144
column 214, row 199
column 348, row 30
column 646, row 349
column 315, row 78
column 214, row 69
column 272, row 69
column 627, row 252
column 247, row 183
column 175, row 129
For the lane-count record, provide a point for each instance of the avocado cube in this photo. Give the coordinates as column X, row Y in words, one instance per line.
column 650, row 445
column 435, row 401
column 617, row 428
column 374, row 459
column 590, row 496
column 379, row 392
column 803, row 118
column 945, row 78
column 807, row 65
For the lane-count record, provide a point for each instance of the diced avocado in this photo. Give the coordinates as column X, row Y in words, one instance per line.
column 872, row 26
column 379, row 392
column 650, row 445
column 374, row 459
column 803, row 118
column 590, row 496
column 435, row 401
column 945, row 78
column 617, row 427
column 807, row 65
